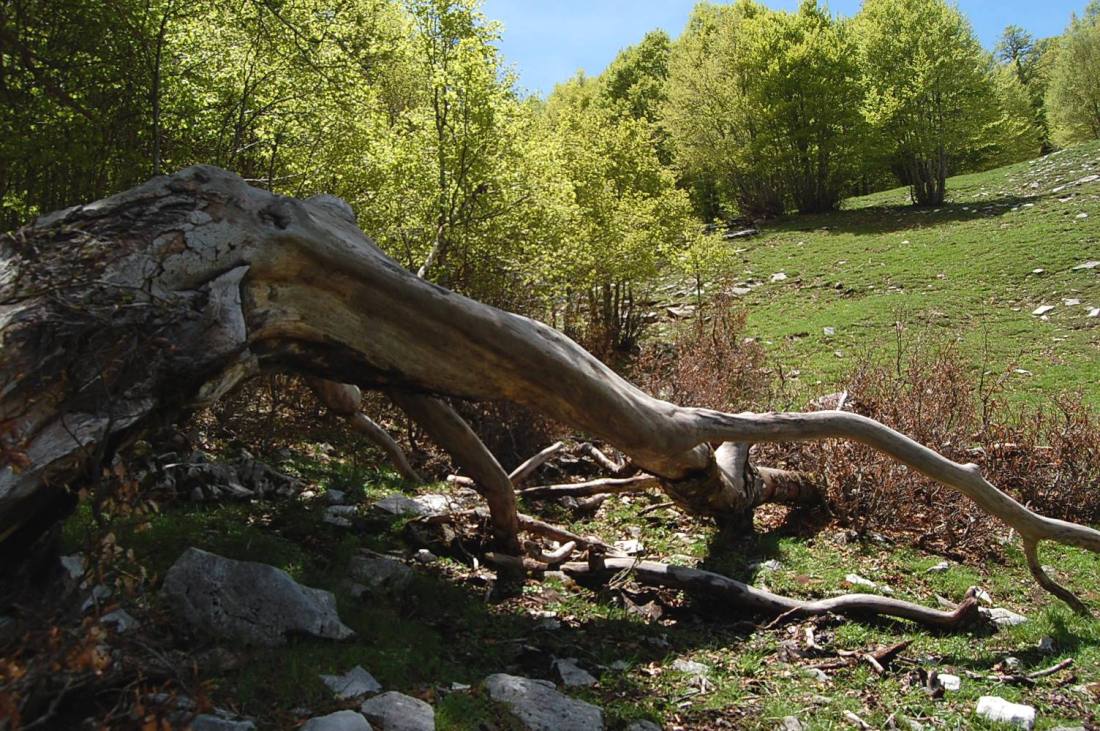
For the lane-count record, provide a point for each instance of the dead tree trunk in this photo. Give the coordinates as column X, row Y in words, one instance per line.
column 135, row 308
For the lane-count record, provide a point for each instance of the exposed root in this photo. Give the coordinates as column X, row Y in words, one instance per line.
column 745, row 597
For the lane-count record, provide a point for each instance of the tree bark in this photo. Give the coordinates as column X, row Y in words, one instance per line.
column 119, row 313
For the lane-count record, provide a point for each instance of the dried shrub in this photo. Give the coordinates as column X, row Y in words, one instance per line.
column 1045, row 456
column 710, row 363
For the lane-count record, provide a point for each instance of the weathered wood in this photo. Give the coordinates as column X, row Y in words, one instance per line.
column 135, row 308
column 741, row 596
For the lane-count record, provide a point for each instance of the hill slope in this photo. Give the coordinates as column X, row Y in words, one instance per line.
column 967, row 269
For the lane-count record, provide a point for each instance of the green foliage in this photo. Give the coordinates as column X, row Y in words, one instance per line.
column 929, row 91
column 1073, row 95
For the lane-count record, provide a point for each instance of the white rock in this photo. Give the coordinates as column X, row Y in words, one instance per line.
column 689, row 666
column 790, row 723
column 352, row 684
column 539, row 706
column 769, row 565
column 248, row 602
column 631, row 546
column 73, row 565
column 1081, row 215
column 120, row 620
column 1092, row 264
column 829, row 331
column 1094, row 312
column 939, row 568
column 999, row 710
column 425, row 556
column 1072, row 302
column 1042, row 309
column 1004, row 617
column 949, row 681
column 339, row 721
column 395, row 711
column 573, row 675
column 857, row 580
column 1037, row 271
column 421, row 505
column 779, row 277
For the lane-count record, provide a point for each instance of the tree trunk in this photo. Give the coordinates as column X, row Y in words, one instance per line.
column 130, row 310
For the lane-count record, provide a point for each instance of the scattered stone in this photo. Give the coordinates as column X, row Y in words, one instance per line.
column 395, row 711
column 1046, row 645
column 690, row 667
column 999, row 710
column 1072, row 302
column 941, row 567
column 1094, row 312
column 1037, row 271
column 1004, row 617
column 73, row 565
column 631, row 546
column 100, row 593
column 681, row 313
column 950, row 682
column 1092, row 264
column 339, row 721
column 1069, row 728
column 770, row 565
column 541, row 707
column 352, row 684
column 817, row 674
column 340, row 515
column 830, row 331
column 425, row 556
column 209, row 722
column 120, row 620
column 573, row 675
column 336, row 497
column 779, row 277
column 421, row 505
column 380, row 573
column 790, row 723
column 1012, row 663
column 1081, row 216
column 983, row 596
column 1042, row 309
column 739, row 291
column 857, row 580
column 249, row 602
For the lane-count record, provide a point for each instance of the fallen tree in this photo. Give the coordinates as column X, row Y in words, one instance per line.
column 135, row 309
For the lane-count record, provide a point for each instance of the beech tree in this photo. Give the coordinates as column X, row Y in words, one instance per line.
column 128, row 311
column 928, row 89
column 1073, row 95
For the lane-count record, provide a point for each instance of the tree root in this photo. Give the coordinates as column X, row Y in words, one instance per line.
column 745, row 597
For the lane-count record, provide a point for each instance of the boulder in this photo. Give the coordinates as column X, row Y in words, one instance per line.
column 247, row 602
column 380, row 573
column 339, row 721
column 539, row 706
column 395, row 711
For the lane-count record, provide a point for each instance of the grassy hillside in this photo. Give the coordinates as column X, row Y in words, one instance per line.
column 965, row 270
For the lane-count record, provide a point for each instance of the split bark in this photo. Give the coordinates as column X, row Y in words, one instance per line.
column 163, row 298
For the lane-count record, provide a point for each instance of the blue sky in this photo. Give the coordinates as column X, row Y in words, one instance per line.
column 548, row 40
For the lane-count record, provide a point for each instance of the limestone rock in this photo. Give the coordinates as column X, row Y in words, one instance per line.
column 1001, row 711
column 339, row 721
column 352, row 684
column 248, row 602
column 541, row 707
column 395, row 711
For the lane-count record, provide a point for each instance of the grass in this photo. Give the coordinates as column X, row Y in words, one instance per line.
column 963, row 270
